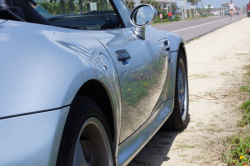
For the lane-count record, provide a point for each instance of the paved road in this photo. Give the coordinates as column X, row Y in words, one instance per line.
column 196, row 28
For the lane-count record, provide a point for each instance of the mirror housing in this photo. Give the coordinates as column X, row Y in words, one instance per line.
column 141, row 16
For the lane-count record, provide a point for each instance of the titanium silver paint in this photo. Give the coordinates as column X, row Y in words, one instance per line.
column 65, row 66
column 2, row 21
column 129, row 149
column 43, row 67
column 32, row 139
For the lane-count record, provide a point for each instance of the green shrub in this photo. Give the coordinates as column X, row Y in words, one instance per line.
column 239, row 148
column 246, row 105
column 176, row 19
column 245, row 116
column 245, row 88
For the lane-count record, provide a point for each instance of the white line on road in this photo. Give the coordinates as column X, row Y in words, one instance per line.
column 200, row 25
column 179, row 22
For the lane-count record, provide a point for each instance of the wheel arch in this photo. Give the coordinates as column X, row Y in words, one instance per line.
column 183, row 49
column 97, row 91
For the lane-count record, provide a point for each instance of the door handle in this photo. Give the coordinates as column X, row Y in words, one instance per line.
column 122, row 55
column 165, row 45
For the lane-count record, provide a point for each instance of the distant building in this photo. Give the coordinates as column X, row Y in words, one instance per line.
column 165, row 4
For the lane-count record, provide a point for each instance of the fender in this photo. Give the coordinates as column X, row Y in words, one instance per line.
column 175, row 41
column 43, row 67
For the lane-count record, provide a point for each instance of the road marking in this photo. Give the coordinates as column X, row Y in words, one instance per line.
column 182, row 21
column 200, row 25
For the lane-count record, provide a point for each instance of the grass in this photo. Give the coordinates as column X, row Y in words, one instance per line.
column 246, row 114
column 237, row 147
column 199, row 123
column 242, row 54
column 224, row 73
column 186, row 146
column 198, row 76
column 238, row 150
column 166, row 20
column 247, row 67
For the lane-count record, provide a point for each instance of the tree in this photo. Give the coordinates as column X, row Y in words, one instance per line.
column 156, row 4
column 71, row 6
column 193, row 2
column 62, row 3
column 174, row 8
column 199, row 10
column 80, row 6
column 209, row 9
column 130, row 4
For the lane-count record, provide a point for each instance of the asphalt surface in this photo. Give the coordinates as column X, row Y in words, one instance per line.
column 190, row 30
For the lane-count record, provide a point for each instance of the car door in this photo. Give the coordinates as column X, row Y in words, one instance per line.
column 141, row 67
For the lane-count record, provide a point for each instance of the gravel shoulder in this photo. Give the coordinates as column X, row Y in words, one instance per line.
column 216, row 64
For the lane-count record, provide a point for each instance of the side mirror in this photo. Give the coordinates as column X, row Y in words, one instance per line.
column 141, row 16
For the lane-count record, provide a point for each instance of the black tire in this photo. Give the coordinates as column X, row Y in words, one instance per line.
column 176, row 120
column 81, row 110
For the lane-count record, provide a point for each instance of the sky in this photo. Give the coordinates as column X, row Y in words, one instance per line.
column 217, row 3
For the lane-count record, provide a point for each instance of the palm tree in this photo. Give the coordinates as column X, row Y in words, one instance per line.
column 156, row 4
column 193, row 2
column 209, row 9
column 80, row 6
column 62, row 3
column 71, row 6
column 174, row 7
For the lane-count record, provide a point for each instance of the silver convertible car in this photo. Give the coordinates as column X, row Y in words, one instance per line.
column 88, row 85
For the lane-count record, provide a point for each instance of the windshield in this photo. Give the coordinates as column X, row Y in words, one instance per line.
column 80, row 14
column 74, row 7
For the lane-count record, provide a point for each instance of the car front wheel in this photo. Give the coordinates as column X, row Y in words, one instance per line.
column 179, row 118
column 86, row 137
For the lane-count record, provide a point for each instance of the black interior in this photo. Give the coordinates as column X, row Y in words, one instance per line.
column 89, row 21
column 10, row 12
column 31, row 15
column 21, row 10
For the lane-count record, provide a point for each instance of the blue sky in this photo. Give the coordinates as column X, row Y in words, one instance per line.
column 217, row 3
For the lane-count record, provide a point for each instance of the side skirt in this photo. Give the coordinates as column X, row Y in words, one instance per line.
column 128, row 149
